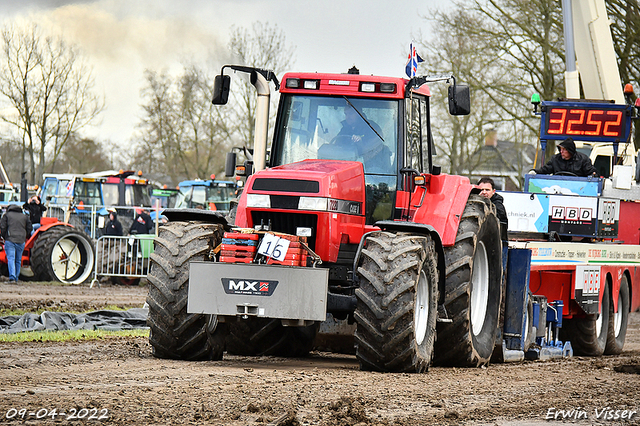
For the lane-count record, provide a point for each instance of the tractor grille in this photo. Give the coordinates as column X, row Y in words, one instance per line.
column 286, row 185
column 288, row 222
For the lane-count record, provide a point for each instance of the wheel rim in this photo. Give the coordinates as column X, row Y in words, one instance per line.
column 599, row 325
column 617, row 317
column 479, row 288
column 71, row 259
column 421, row 312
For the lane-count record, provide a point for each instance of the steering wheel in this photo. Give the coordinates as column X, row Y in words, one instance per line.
column 565, row 173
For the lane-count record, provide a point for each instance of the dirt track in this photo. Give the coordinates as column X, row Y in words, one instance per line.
column 119, row 378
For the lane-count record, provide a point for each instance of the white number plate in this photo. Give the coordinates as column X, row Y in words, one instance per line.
column 274, row 247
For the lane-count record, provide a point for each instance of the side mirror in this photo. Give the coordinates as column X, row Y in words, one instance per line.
column 230, row 164
column 221, row 86
column 459, row 99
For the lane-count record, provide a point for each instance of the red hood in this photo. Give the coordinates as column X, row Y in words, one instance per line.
column 343, row 180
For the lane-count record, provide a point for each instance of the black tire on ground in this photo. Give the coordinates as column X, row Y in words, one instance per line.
column 267, row 336
column 588, row 335
column 397, row 303
column 618, row 320
column 175, row 333
column 473, row 288
column 62, row 253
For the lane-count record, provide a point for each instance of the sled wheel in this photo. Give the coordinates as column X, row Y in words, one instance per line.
column 618, row 320
column 588, row 335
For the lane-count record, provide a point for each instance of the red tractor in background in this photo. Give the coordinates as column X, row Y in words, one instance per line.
column 362, row 226
column 55, row 252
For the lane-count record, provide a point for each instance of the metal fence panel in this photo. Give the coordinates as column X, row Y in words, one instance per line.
column 123, row 256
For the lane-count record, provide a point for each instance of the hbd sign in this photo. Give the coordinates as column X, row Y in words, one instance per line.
column 574, row 214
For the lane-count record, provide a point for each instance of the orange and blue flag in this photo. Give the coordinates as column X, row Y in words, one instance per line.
column 412, row 62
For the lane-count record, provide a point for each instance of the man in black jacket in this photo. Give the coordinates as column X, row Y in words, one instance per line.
column 35, row 208
column 488, row 190
column 16, row 228
column 569, row 161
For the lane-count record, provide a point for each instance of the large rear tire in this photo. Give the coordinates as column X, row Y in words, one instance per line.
column 473, row 289
column 267, row 336
column 62, row 253
column 588, row 335
column 397, row 303
column 618, row 320
column 175, row 333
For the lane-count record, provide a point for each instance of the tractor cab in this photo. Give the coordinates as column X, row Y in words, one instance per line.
column 380, row 122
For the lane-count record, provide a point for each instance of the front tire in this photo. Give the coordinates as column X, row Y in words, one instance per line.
column 588, row 336
column 267, row 336
column 396, row 303
column 62, row 253
column 618, row 320
column 473, row 288
column 175, row 333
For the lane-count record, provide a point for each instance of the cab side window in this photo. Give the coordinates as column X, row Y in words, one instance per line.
column 414, row 133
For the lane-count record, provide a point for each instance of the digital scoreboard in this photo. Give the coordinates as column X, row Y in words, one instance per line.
column 589, row 121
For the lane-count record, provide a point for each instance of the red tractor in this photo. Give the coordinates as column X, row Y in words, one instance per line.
column 55, row 252
column 345, row 215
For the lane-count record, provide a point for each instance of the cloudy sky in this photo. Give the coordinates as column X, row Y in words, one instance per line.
column 122, row 38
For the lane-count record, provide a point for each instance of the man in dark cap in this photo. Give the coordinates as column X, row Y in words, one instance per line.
column 568, row 161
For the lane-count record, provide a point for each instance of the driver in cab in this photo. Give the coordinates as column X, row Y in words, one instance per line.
column 568, row 162
column 366, row 136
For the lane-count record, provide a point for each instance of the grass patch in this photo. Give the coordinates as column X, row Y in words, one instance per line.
column 70, row 335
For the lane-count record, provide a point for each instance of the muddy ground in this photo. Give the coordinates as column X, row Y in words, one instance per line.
column 119, row 380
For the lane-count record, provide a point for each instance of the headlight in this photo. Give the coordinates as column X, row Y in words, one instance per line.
column 312, row 203
column 259, row 200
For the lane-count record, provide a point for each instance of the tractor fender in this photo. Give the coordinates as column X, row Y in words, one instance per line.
column 200, row 215
column 416, row 228
column 46, row 223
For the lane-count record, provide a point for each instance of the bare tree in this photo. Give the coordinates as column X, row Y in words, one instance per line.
column 263, row 46
column 82, row 155
column 506, row 50
column 50, row 91
column 182, row 133
column 625, row 29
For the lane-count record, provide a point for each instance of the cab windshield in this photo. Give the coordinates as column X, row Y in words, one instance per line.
column 344, row 128
column 206, row 197
column 339, row 128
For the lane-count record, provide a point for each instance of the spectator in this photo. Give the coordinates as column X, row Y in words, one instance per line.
column 15, row 227
column 488, row 190
column 142, row 224
column 113, row 225
column 35, row 208
column 568, row 161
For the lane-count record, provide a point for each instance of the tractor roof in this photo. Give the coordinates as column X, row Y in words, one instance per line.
column 347, row 85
